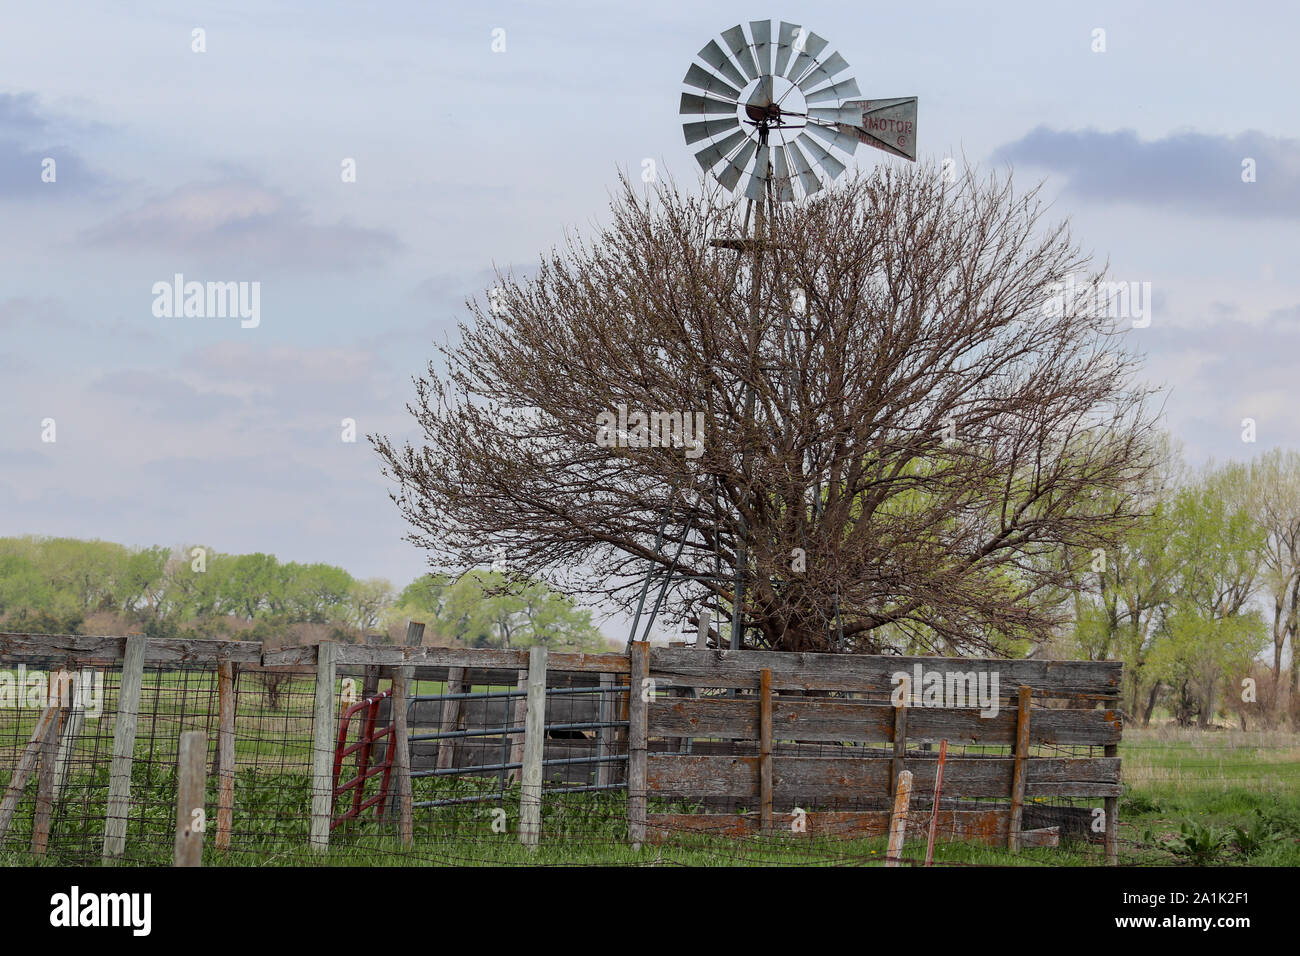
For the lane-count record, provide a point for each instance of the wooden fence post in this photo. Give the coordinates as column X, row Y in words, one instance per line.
column 370, row 678
column 638, row 708
column 1018, row 774
column 74, row 721
column 26, row 763
column 530, row 796
column 450, row 719
column 414, row 633
column 393, row 801
column 516, row 713
column 765, row 749
column 1112, row 817
column 898, row 818
column 605, row 735
column 900, row 747
column 225, row 752
column 401, row 744
column 191, row 814
column 322, row 756
column 45, row 781
column 124, row 724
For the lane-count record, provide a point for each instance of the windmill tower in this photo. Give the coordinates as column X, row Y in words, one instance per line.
column 775, row 115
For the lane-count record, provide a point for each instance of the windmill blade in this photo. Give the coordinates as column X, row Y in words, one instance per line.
column 784, row 46
column 823, row 159
column 739, row 46
column 756, row 188
column 812, row 49
column 730, row 174
column 762, row 32
column 807, row 177
column 848, row 113
column 712, row 54
column 707, row 129
column 845, row 141
column 824, row 72
column 784, row 188
column 764, row 93
column 709, row 156
column 840, row 91
column 702, row 79
column 691, row 103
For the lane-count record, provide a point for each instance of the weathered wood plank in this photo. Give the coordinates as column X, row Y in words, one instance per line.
column 637, row 781
column 1111, row 809
column 983, row 826
column 765, row 749
column 323, row 743
column 225, row 753
column 898, row 819
column 872, row 674
column 519, row 711
column 124, row 724
column 530, row 793
column 1018, row 774
column 45, row 784
column 401, row 687
column 187, row 850
column 449, row 719
column 858, row 721
column 828, row 779
column 900, row 747
column 26, row 763
column 71, row 691
column 607, row 707
column 389, row 655
column 102, row 650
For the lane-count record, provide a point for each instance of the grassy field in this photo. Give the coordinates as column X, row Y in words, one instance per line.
column 1191, row 798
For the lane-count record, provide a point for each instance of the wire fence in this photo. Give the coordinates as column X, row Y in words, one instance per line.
column 467, row 732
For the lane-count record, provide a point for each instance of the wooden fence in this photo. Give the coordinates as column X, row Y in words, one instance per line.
column 773, row 706
column 763, row 737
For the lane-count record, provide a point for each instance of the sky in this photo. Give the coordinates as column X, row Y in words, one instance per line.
column 480, row 134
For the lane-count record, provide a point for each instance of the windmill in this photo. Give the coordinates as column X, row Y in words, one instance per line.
column 774, row 116
column 779, row 109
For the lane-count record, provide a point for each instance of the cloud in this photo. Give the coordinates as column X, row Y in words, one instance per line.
column 1187, row 172
column 21, row 311
column 246, row 221
column 18, row 114
column 166, row 398
column 25, row 144
column 1223, row 370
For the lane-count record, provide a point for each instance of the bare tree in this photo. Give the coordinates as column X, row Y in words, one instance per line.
column 903, row 415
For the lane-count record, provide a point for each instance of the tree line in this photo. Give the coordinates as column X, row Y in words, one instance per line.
column 69, row 585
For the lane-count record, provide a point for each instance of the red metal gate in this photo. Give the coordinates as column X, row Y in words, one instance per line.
column 364, row 747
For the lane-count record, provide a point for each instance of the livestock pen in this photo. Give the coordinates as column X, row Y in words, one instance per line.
column 665, row 754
